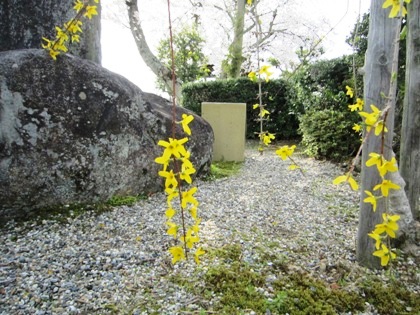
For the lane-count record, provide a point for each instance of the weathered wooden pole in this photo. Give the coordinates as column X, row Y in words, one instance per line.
column 377, row 80
column 410, row 132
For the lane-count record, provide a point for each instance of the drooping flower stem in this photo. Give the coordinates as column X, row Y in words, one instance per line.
column 171, row 47
column 177, row 168
column 72, row 22
column 178, row 178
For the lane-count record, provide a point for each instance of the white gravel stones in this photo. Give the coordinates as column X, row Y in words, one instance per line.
column 119, row 261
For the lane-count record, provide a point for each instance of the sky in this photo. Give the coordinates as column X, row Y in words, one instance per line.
column 120, row 54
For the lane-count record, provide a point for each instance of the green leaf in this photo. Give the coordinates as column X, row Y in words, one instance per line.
column 403, row 33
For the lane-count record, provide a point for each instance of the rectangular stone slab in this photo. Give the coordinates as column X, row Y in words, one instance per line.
column 228, row 121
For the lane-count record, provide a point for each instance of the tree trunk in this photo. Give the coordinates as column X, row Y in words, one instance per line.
column 149, row 58
column 378, row 71
column 410, row 133
column 23, row 23
column 235, row 48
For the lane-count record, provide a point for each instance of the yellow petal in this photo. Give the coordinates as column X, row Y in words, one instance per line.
column 197, row 254
column 340, row 179
column 353, row 183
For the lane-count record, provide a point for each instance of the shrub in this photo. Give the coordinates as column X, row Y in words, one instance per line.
column 328, row 134
column 326, row 125
column 321, row 85
column 283, row 121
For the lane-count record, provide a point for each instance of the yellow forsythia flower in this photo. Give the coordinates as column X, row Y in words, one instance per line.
column 396, row 7
column 174, row 147
column 177, row 253
column 293, row 167
column 264, row 112
column 74, row 27
column 385, row 254
column 388, row 226
column 190, row 238
column 75, row 38
column 170, row 212
column 186, row 174
column 78, row 5
column 371, row 118
column 196, row 227
column 385, row 186
column 357, row 128
column 370, row 199
column 54, row 54
column 346, row 178
column 61, row 35
column 173, row 229
column 267, row 137
column 164, row 161
column 186, row 119
column 193, row 212
column 252, row 75
column 285, row 151
column 375, row 159
column 90, row 11
column 172, row 193
column 388, row 166
column 377, row 238
column 197, row 254
column 188, row 197
column 358, row 106
column 349, row 91
column 48, row 44
column 265, row 72
column 380, row 127
column 170, row 179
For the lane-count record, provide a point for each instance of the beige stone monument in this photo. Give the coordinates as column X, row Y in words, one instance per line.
column 228, row 121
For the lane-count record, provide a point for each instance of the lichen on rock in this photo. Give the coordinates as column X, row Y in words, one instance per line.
column 74, row 132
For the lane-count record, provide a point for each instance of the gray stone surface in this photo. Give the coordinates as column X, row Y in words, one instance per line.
column 74, row 132
column 23, row 23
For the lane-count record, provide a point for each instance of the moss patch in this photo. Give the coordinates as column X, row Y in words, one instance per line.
column 223, row 169
column 301, row 294
column 61, row 213
column 391, row 299
column 232, row 286
column 237, row 285
column 117, row 201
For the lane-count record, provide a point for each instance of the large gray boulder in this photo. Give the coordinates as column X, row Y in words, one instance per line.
column 74, row 132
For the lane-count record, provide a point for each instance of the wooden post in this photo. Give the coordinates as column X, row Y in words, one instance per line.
column 378, row 72
column 410, row 132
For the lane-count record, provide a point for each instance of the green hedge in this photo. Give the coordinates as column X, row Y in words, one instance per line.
column 283, row 121
column 326, row 126
column 328, row 134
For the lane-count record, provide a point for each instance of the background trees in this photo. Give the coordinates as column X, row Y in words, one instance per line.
column 223, row 38
column 232, row 64
column 190, row 61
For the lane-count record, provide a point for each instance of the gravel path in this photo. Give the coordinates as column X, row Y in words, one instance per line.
column 117, row 261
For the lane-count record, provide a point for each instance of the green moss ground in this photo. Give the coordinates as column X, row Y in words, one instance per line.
column 240, row 288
